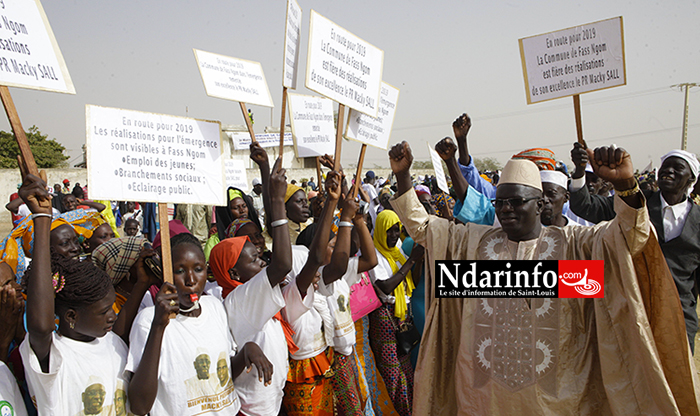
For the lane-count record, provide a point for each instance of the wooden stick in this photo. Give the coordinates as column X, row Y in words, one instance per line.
column 248, row 122
column 284, row 114
column 319, row 176
column 16, row 124
column 165, row 242
column 339, row 136
column 577, row 115
column 358, row 177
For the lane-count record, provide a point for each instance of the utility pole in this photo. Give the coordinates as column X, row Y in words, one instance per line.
column 684, row 134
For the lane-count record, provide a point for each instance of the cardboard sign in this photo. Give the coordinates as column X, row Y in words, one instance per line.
column 573, row 61
column 29, row 53
column 292, row 38
column 241, row 140
column 343, row 67
column 137, row 156
column 313, row 126
column 439, row 172
column 235, row 174
column 375, row 131
column 233, row 79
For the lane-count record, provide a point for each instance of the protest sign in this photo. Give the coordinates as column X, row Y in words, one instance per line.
column 292, row 38
column 137, row 156
column 241, row 140
column 29, row 53
column 573, row 61
column 439, row 172
column 342, row 66
column 313, row 127
column 235, row 174
column 233, row 79
column 375, row 131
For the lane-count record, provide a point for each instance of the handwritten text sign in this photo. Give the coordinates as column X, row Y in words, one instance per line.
column 375, row 131
column 573, row 61
column 342, row 66
column 292, row 38
column 312, row 125
column 136, row 156
column 233, row 79
column 29, row 53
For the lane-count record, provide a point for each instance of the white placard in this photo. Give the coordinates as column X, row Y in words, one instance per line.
column 342, row 66
column 29, row 53
column 233, row 79
column 292, row 38
column 313, row 126
column 439, row 172
column 241, row 140
column 573, row 61
column 235, row 174
column 375, row 131
column 137, row 156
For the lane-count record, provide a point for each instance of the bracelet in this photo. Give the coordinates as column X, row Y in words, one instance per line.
column 42, row 215
column 345, row 224
column 628, row 192
column 277, row 223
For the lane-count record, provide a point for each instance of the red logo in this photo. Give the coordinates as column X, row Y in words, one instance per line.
column 581, row 278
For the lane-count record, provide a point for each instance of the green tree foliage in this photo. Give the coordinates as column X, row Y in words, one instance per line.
column 487, row 163
column 47, row 153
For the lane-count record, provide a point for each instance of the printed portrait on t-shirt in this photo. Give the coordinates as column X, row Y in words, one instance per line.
column 222, row 372
column 93, row 398
column 203, row 383
column 120, row 400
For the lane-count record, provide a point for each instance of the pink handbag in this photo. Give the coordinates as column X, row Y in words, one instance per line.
column 363, row 298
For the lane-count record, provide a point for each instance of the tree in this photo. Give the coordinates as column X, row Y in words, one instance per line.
column 487, row 163
column 47, row 153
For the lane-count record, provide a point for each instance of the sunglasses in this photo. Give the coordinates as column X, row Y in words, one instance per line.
column 512, row 202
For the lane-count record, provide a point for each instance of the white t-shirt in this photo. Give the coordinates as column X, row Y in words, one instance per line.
column 193, row 351
column 373, row 205
column 338, row 298
column 81, row 374
column 23, row 211
column 305, row 321
column 250, row 309
column 11, row 402
column 382, row 271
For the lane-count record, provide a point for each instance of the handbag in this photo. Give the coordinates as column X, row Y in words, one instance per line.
column 363, row 298
column 407, row 335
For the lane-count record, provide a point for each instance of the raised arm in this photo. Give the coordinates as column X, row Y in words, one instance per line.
column 615, row 166
column 40, row 291
column 446, row 149
column 275, row 187
column 92, row 204
column 461, row 127
column 317, row 249
column 341, row 252
column 14, row 205
column 259, row 156
column 593, row 208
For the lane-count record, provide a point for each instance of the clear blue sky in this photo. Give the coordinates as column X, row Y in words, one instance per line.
column 447, row 57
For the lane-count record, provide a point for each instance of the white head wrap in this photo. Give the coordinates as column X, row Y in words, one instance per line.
column 521, row 172
column 555, row 177
column 688, row 157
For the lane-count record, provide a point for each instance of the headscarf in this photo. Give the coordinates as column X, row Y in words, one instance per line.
column 84, row 222
column 223, row 214
column 422, row 189
column 236, row 225
column 234, row 193
column 442, row 201
column 385, row 220
column 543, row 158
column 117, row 256
column 223, row 258
column 291, row 190
column 176, row 228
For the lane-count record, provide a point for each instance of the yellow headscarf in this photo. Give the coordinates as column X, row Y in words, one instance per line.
column 291, row 190
column 385, row 220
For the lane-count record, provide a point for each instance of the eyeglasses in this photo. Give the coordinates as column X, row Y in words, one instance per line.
column 513, row 202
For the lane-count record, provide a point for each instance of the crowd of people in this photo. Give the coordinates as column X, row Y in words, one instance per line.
column 320, row 299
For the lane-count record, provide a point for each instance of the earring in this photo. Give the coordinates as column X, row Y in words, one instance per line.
column 72, row 325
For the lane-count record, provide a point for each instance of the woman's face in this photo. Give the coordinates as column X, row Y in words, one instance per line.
column 189, row 273
column 298, row 207
column 70, row 203
column 249, row 263
column 392, row 235
column 95, row 320
column 238, row 208
column 64, row 241
column 255, row 235
column 102, row 234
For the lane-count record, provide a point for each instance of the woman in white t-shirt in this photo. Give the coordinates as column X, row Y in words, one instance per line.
column 180, row 365
column 77, row 369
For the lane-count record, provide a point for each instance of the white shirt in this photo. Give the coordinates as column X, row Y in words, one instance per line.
column 382, row 271
column 372, row 194
column 338, row 298
column 674, row 217
column 250, row 309
column 305, row 320
column 75, row 366
column 23, row 211
column 185, row 385
column 11, row 402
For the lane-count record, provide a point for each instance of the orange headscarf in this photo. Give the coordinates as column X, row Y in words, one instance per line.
column 223, row 258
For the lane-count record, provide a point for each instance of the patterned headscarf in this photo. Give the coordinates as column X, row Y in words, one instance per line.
column 117, row 256
column 236, row 225
column 385, row 220
column 543, row 158
column 84, row 222
column 442, row 201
